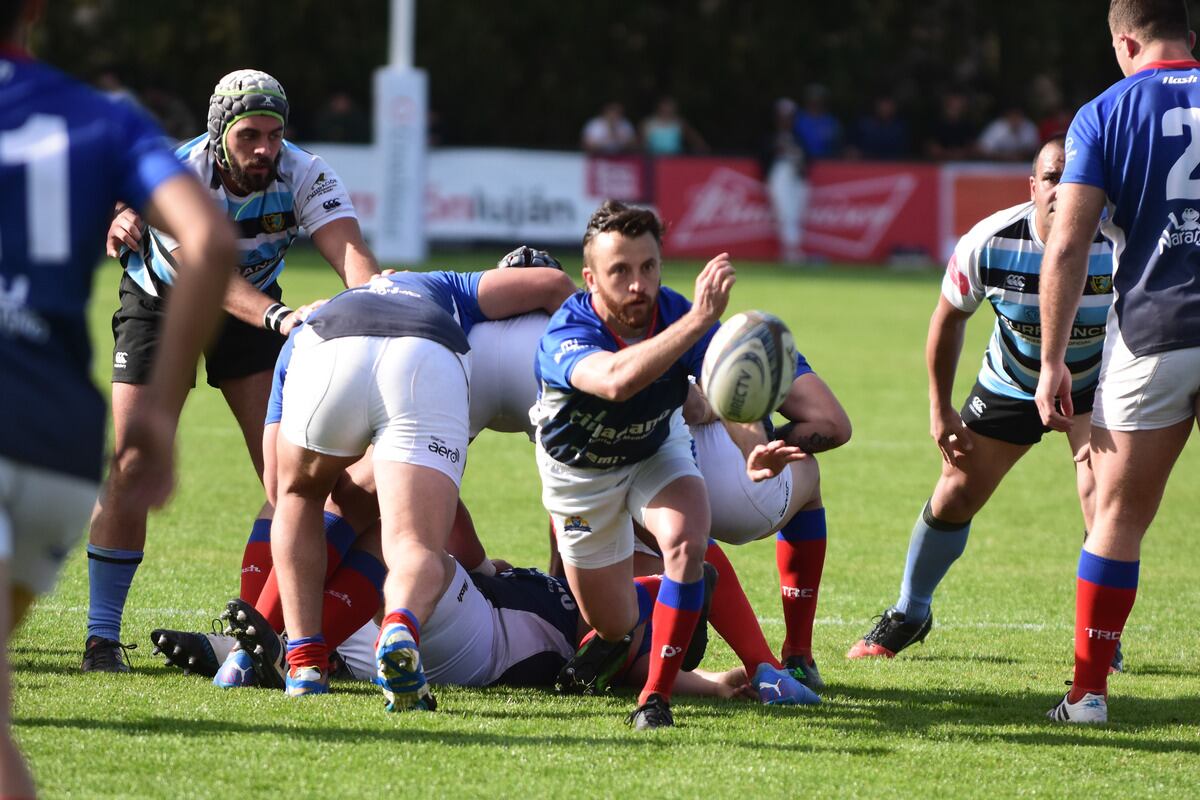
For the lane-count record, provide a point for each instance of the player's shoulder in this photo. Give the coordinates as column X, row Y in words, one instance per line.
column 1132, row 90
column 671, row 305
column 575, row 310
column 41, row 87
column 1007, row 223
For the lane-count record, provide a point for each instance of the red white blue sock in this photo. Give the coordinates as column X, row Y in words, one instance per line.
column 800, row 556
column 308, row 651
column 256, row 561
column 733, row 617
column 339, row 536
column 352, row 596
column 110, row 574
column 406, row 618
column 1104, row 594
column 676, row 612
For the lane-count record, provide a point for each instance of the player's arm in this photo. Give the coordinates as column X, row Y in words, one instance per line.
column 943, row 346
column 341, row 243
column 619, row 376
column 817, row 421
column 504, row 293
column 1064, row 270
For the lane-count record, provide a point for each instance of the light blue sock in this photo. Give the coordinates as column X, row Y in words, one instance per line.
column 110, row 574
column 934, row 546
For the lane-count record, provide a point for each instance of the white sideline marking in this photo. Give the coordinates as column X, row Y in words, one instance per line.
column 50, row 608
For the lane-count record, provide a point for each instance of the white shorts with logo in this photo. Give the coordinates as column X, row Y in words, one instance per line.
column 742, row 510
column 1137, row 393
column 43, row 514
column 593, row 509
column 405, row 395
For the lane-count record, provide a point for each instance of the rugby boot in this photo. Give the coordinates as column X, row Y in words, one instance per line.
column 804, row 669
column 258, row 640
column 890, row 635
column 194, row 653
column 777, row 687
column 654, row 713
column 105, row 655
column 305, row 681
column 1091, row 709
column 399, row 671
column 592, row 668
column 236, row 672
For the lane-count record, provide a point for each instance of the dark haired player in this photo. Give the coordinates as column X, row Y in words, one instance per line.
column 997, row 261
column 67, row 154
column 1132, row 151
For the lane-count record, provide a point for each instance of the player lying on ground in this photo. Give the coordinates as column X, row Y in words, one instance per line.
column 69, row 153
column 999, row 261
column 269, row 189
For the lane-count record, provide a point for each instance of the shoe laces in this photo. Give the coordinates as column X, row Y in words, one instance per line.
column 109, row 652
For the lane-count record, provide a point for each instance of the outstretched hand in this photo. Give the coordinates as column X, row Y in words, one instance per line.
column 768, row 460
column 713, row 285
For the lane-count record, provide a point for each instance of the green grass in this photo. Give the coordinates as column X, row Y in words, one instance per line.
column 960, row 716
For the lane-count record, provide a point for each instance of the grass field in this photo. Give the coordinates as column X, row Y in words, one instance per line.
column 960, row 716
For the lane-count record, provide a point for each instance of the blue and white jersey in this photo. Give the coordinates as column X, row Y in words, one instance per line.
column 439, row 306
column 306, row 194
column 1139, row 141
column 1000, row 260
column 582, row 430
column 537, row 623
column 67, row 155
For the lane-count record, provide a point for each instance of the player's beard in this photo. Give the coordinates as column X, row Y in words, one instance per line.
column 250, row 182
column 634, row 313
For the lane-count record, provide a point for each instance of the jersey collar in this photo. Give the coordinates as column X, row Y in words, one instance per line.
column 14, row 52
column 1183, row 63
column 621, row 343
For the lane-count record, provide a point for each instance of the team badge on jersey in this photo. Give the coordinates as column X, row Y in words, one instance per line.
column 272, row 223
column 1101, row 284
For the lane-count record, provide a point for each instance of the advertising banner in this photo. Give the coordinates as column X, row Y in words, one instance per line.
column 970, row 192
column 714, row 205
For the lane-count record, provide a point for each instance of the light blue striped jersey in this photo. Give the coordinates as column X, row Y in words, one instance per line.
column 1000, row 260
column 306, row 194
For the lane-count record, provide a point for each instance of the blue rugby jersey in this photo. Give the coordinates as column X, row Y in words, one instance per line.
column 539, row 620
column 67, row 155
column 306, row 194
column 582, row 430
column 1139, row 141
column 1000, row 260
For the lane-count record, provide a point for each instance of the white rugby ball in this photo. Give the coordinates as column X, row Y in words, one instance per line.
column 749, row 366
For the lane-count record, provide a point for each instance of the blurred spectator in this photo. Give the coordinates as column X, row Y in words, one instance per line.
column 818, row 131
column 171, row 112
column 882, row 134
column 610, row 133
column 953, row 135
column 110, row 83
column 1050, row 111
column 665, row 133
column 786, row 179
column 1010, row 137
column 341, row 120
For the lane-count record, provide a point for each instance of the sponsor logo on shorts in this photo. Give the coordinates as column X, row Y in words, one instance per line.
column 977, row 405
column 438, row 446
column 577, row 524
column 670, row 652
column 462, row 592
column 120, row 359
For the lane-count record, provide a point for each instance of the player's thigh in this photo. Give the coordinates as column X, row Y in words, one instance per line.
column 966, row 486
column 457, row 640
column 416, row 504
column 741, row 510
column 126, row 399
column 606, row 597
column 1149, row 392
column 247, row 398
column 43, row 514
column 1131, row 470
column 327, row 394
column 667, row 496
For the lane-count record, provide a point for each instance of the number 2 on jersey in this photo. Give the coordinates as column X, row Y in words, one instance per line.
column 1180, row 183
column 41, row 145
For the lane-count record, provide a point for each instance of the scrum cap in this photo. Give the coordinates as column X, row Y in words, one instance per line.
column 242, row 93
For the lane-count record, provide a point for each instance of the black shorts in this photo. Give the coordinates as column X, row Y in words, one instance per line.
column 238, row 351
column 1009, row 419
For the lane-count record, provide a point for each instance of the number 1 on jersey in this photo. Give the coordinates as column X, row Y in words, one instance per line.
column 41, row 145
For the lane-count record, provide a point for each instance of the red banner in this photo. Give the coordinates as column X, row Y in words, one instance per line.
column 872, row 212
column 714, row 205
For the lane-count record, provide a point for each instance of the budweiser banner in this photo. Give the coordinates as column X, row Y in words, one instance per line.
column 714, row 205
column 872, row 212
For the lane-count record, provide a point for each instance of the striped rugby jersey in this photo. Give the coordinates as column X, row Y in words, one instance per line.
column 307, row 194
column 1000, row 259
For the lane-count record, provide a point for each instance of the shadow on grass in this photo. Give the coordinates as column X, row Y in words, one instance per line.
column 1017, row 719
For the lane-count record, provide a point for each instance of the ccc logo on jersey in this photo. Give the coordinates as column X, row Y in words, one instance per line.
column 272, row 223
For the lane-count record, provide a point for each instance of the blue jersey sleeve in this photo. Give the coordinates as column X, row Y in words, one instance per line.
column 562, row 347
column 1085, row 148
column 145, row 160
column 278, row 376
column 464, row 286
column 802, row 367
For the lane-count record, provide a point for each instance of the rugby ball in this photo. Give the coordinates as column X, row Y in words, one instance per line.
column 749, row 366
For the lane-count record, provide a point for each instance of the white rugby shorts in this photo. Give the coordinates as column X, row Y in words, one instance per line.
column 503, row 386
column 405, row 395
column 43, row 514
column 742, row 510
column 593, row 509
column 1138, row 393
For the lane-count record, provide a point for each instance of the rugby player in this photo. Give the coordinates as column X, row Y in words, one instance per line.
column 269, row 188
column 612, row 447
column 999, row 261
column 387, row 365
column 1130, row 151
column 67, row 153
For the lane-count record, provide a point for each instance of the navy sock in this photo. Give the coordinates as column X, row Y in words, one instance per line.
column 110, row 574
column 934, row 546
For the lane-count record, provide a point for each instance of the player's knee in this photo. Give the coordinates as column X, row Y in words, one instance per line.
column 684, row 549
column 955, row 500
